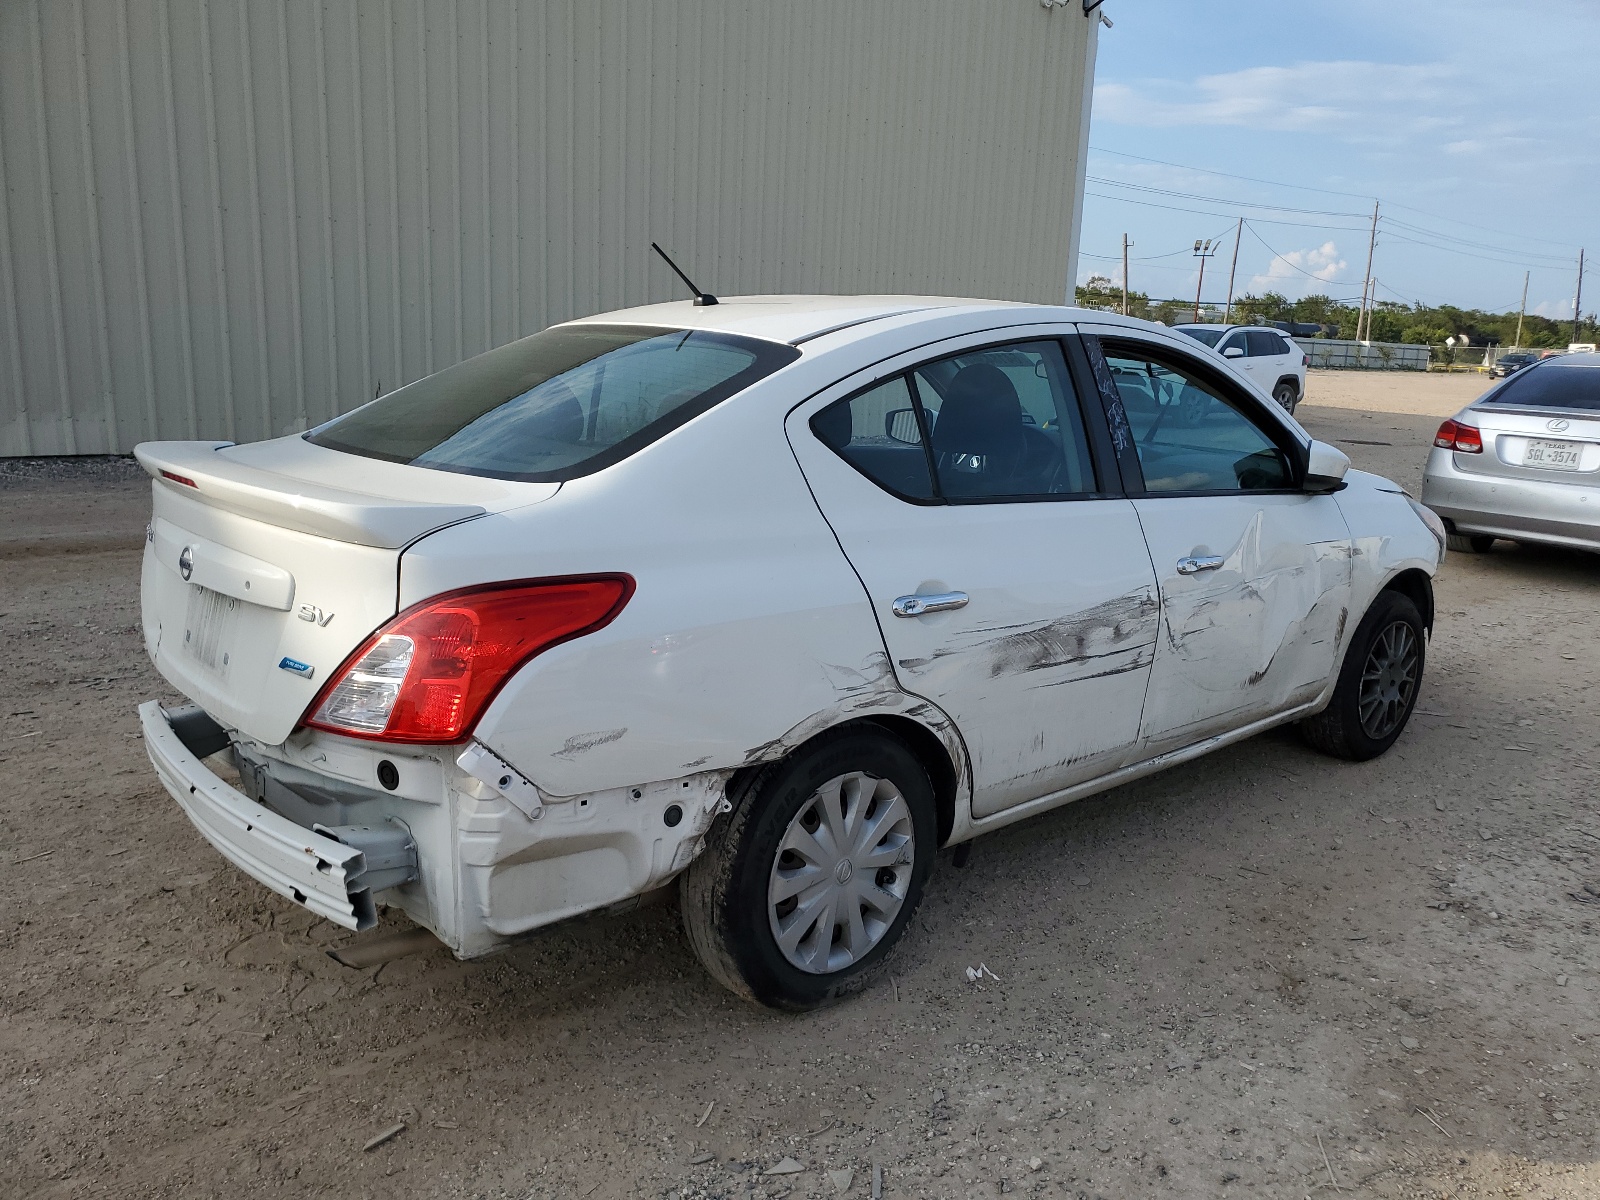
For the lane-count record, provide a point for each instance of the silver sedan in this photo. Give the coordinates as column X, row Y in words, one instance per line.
column 1523, row 460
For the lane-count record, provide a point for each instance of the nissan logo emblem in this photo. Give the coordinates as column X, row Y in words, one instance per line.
column 186, row 562
column 1559, row 425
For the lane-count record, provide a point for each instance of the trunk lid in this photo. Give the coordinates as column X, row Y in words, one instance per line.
column 266, row 565
column 1552, row 445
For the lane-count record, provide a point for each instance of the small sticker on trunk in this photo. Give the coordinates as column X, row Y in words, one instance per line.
column 304, row 670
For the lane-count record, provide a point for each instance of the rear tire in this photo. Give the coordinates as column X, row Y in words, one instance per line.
column 1469, row 543
column 1287, row 396
column 1378, row 684
column 795, row 921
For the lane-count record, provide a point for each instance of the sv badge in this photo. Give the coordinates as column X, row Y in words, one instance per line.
column 310, row 612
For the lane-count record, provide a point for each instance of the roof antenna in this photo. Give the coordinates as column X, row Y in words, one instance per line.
column 701, row 299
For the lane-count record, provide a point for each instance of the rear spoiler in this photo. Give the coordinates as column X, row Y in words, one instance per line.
column 314, row 508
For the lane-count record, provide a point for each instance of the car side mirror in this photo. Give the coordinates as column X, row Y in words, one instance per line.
column 1325, row 468
column 1233, row 352
column 900, row 425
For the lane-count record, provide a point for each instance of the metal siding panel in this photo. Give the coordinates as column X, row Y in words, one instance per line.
column 223, row 299
column 184, row 314
column 328, row 404
column 16, row 434
column 229, row 218
column 65, row 439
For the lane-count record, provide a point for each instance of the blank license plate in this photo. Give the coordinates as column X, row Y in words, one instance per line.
column 1552, row 456
column 209, row 626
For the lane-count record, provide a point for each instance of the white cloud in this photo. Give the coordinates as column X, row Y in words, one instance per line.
column 1359, row 99
column 1297, row 272
column 1555, row 310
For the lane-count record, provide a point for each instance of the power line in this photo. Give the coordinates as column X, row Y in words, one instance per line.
column 1511, row 262
column 1331, row 192
column 1208, row 213
column 1225, row 175
column 1140, row 187
column 1450, row 237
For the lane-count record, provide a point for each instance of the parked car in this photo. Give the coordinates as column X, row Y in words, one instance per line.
column 770, row 598
column 1507, row 363
column 1266, row 357
column 1523, row 460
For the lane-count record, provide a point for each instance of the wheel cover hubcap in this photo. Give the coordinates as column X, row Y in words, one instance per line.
column 842, row 873
column 1389, row 680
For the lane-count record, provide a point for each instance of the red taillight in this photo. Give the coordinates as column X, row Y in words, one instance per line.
column 1464, row 439
column 428, row 674
column 183, row 479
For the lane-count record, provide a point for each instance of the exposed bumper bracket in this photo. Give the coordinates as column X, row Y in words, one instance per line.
column 487, row 767
column 387, row 852
column 328, row 876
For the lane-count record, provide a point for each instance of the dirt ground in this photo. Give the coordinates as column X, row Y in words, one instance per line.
column 1266, row 974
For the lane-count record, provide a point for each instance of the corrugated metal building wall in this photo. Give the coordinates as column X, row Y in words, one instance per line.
column 237, row 218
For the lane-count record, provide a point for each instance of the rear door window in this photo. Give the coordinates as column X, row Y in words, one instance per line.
column 997, row 423
column 557, row 405
column 1265, row 345
column 877, row 432
column 1005, row 422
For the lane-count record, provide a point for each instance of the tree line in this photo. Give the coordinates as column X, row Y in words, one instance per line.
column 1411, row 324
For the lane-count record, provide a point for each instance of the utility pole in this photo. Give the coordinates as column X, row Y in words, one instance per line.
column 1124, row 274
column 1577, row 300
column 1202, row 251
column 1227, row 314
column 1523, row 309
column 1365, row 320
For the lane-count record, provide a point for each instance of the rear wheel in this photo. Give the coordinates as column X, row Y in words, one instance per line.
column 1287, row 396
column 1378, row 684
column 803, row 892
column 1469, row 543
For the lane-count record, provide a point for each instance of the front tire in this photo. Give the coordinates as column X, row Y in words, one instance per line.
column 1378, row 684
column 802, row 893
column 1287, row 396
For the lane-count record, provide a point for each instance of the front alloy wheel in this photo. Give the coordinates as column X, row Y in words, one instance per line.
column 1389, row 680
column 1378, row 684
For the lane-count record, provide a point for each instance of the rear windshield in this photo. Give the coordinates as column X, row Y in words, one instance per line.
column 563, row 403
column 1209, row 336
column 1572, row 381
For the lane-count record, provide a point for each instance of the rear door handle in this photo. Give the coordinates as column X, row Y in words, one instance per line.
column 916, row 606
column 1193, row 566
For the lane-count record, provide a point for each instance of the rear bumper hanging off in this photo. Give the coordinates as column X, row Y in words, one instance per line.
column 333, row 872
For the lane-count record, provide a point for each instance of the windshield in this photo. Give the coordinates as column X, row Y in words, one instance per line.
column 563, row 403
column 1571, row 381
column 1209, row 336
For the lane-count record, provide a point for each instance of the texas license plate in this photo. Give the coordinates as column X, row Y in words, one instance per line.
column 1552, row 456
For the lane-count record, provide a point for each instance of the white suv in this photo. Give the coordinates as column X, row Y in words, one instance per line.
column 1267, row 356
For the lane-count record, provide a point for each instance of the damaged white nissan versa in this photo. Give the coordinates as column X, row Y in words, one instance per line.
column 772, row 597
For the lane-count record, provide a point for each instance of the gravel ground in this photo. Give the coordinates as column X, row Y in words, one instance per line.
column 1265, row 974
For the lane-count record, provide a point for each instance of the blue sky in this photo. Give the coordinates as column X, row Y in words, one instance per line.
column 1475, row 123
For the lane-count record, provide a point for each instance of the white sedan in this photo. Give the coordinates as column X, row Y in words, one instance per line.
column 771, row 598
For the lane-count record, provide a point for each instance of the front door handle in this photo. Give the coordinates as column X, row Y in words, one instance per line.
column 1193, row 566
column 916, row 606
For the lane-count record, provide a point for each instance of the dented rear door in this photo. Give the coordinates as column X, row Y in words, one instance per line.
column 1043, row 664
